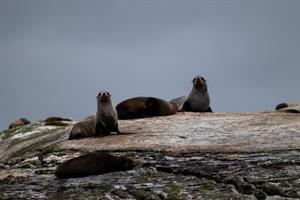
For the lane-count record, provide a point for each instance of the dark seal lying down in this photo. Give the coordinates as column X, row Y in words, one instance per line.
column 141, row 107
column 93, row 164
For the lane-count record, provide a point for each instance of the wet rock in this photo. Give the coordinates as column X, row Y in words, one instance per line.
column 272, row 189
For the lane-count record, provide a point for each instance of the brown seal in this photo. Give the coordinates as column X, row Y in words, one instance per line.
column 106, row 120
column 83, row 129
column 140, row 107
column 198, row 99
column 54, row 119
column 19, row 122
column 93, row 164
column 106, row 116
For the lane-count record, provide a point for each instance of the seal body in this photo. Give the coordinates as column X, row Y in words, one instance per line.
column 179, row 101
column 82, row 129
column 105, row 122
column 19, row 122
column 106, row 116
column 198, row 99
column 288, row 108
column 141, row 107
column 93, row 164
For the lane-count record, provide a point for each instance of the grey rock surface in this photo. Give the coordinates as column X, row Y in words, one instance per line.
column 184, row 156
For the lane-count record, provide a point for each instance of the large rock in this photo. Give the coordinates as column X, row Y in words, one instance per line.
column 185, row 156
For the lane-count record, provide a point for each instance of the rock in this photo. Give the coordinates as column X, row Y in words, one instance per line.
column 272, row 189
column 19, row 122
column 184, row 156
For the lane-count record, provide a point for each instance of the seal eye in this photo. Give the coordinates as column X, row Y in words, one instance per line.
column 203, row 79
column 98, row 96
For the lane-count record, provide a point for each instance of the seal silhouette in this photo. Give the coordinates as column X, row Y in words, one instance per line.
column 141, row 107
column 94, row 163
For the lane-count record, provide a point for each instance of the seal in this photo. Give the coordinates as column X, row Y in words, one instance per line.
column 198, row 99
column 141, row 107
column 106, row 116
column 105, row 122
column 19, row 122
column 288, row 108
column 179, row 101
column 83, row 129
column 93, row 164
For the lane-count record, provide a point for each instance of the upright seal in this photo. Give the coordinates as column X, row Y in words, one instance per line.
column 106, row 120
column 106, row 116
column 198, row 99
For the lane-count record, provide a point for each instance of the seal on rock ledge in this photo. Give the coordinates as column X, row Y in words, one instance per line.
column 93, row 164
column 198, row 99
column 106, row 116
column 106, row 120
column 141, row 107
column 288, row 107
column 83, row 129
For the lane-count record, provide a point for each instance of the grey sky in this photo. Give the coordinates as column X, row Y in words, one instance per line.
column 55, row 56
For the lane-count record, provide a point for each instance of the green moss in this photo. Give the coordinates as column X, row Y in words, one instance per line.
column 142, row 178
column 205, row 187
column 20, row 129
column 208, row 185
column 141, row 194
column 174, row 192
column 120, row 193
column 34, row 147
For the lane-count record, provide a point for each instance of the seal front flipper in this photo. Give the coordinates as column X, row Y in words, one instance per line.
column 209, row 109
column 186, row 107
column 100, row 128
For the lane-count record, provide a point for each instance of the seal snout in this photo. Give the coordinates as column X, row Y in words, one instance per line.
column 104, row 96
column 199, row 82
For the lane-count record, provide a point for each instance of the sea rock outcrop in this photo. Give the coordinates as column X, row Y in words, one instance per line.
column 183, row 156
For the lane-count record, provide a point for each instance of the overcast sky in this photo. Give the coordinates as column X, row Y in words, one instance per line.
column 55, row 56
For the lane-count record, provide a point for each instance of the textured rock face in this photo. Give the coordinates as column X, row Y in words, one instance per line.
column 185, row 156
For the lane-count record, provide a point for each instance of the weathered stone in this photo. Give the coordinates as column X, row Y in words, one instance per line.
column 186, row 156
